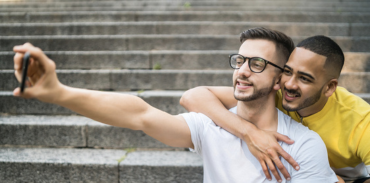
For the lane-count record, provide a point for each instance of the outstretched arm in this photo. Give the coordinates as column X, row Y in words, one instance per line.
column 120, row 110
column 214, row 102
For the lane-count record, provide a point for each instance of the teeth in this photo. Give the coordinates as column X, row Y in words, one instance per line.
column 242, row 84
column 289, row 95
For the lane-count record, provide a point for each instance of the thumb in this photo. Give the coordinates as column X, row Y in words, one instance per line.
column 283, row 138
column 27, row 93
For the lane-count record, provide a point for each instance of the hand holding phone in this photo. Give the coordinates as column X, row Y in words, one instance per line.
column 26, row 59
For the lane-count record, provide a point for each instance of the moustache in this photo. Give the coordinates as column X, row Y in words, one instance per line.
column 293, row 92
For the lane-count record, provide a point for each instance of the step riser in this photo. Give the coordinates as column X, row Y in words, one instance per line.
column 174, row 42
column 183, row 16
column 35, row 172
column 133, row 60
column 133, row 80
column 194, row 8
column 206, row 28
column 182, row 3
column 74, row 165
column 54, row 131
column 153, row 80
column 354, row 62
column 13, row 105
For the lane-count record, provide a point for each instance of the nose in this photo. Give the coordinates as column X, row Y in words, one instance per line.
column 290, row 83
column 244, row 70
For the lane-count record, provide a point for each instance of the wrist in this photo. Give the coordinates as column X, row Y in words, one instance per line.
column 246, row 132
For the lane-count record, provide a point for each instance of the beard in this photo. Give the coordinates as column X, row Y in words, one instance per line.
column 257, row 93
column 306, row 103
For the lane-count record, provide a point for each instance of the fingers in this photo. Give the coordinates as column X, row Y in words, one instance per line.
column 273, row 169
column 265, row 170
column 288, row 158
column 26, row 93
column 283, row 138
column 276, row 160
column 36, row 53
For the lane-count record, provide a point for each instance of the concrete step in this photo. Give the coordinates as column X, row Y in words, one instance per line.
column 179, row 60
column 183, row 1
column 182, row 27
column 356, row 82
column 190, row 4
column 132, row 79
column 167, row 101
column 70, row 131
column 97, row 165
column 187, row 7
column 242, row 16
column 154, row 42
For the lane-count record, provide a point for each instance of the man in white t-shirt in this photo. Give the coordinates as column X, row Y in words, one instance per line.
column 257, row 67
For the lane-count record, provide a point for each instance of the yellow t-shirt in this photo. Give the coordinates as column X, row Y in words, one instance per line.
column 344, row 126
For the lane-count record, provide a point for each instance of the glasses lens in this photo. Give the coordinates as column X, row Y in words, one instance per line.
column 236, row 61
column 257, row 64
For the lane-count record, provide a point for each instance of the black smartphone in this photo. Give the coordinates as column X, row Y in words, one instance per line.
column 26, row 59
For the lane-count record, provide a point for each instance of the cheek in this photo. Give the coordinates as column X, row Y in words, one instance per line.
column 235, row 76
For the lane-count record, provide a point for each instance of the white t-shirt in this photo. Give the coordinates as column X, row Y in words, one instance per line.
column 226, row 158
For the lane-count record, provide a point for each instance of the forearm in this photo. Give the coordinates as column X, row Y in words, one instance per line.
column 107, row 107
column 202, row 100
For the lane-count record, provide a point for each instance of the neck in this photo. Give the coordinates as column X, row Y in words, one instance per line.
column 261, row 112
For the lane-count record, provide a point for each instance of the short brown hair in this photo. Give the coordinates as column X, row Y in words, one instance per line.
column 284, row 44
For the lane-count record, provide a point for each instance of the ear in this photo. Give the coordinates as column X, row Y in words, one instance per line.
column 331, row 87
column 277, row 83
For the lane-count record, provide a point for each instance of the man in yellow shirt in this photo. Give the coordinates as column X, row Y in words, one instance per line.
column 309, row 94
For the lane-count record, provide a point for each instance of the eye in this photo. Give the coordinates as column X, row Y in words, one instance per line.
column 304, row 79
column 287, row 72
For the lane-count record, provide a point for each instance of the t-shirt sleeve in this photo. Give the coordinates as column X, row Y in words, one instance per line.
column 196, row 123
column 363, row 150
column 312, row 157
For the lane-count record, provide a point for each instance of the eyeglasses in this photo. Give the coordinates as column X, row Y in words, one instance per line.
column 256, row 64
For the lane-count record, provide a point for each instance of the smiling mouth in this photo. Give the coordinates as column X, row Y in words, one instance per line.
column 291, row 94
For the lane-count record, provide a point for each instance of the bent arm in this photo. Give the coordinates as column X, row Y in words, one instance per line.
column 214, row 102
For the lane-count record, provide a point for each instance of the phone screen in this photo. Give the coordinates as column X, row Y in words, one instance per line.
column 24, row 70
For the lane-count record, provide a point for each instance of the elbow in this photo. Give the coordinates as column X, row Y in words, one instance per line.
column 189, row 97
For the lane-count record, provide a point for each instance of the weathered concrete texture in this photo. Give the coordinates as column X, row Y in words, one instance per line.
column 101, row 135
column 168, row 4
column 15, row 105
column 43, row 130
column 183, row 27
column 161, row 167
column 132, row 79
column 167, row 101
column 72, row 131
column 169, row 79
column 356, row 62
column 59, row 165
column 208, row 59
column 171, row 59
column 357, row 82
column 119, row 16
column 154, row 42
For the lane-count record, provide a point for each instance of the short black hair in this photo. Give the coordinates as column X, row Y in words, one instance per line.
column 284, row 44
column 325, row 46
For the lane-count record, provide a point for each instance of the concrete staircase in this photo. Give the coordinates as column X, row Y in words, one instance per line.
column 155, row 49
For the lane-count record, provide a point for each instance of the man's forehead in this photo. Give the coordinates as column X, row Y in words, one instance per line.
column 257, row 48
column 306, row 61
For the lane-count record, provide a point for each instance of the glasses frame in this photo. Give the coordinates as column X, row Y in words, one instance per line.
column 249, row 63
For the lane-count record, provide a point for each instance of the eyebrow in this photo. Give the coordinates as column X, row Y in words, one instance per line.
column 300, row 72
